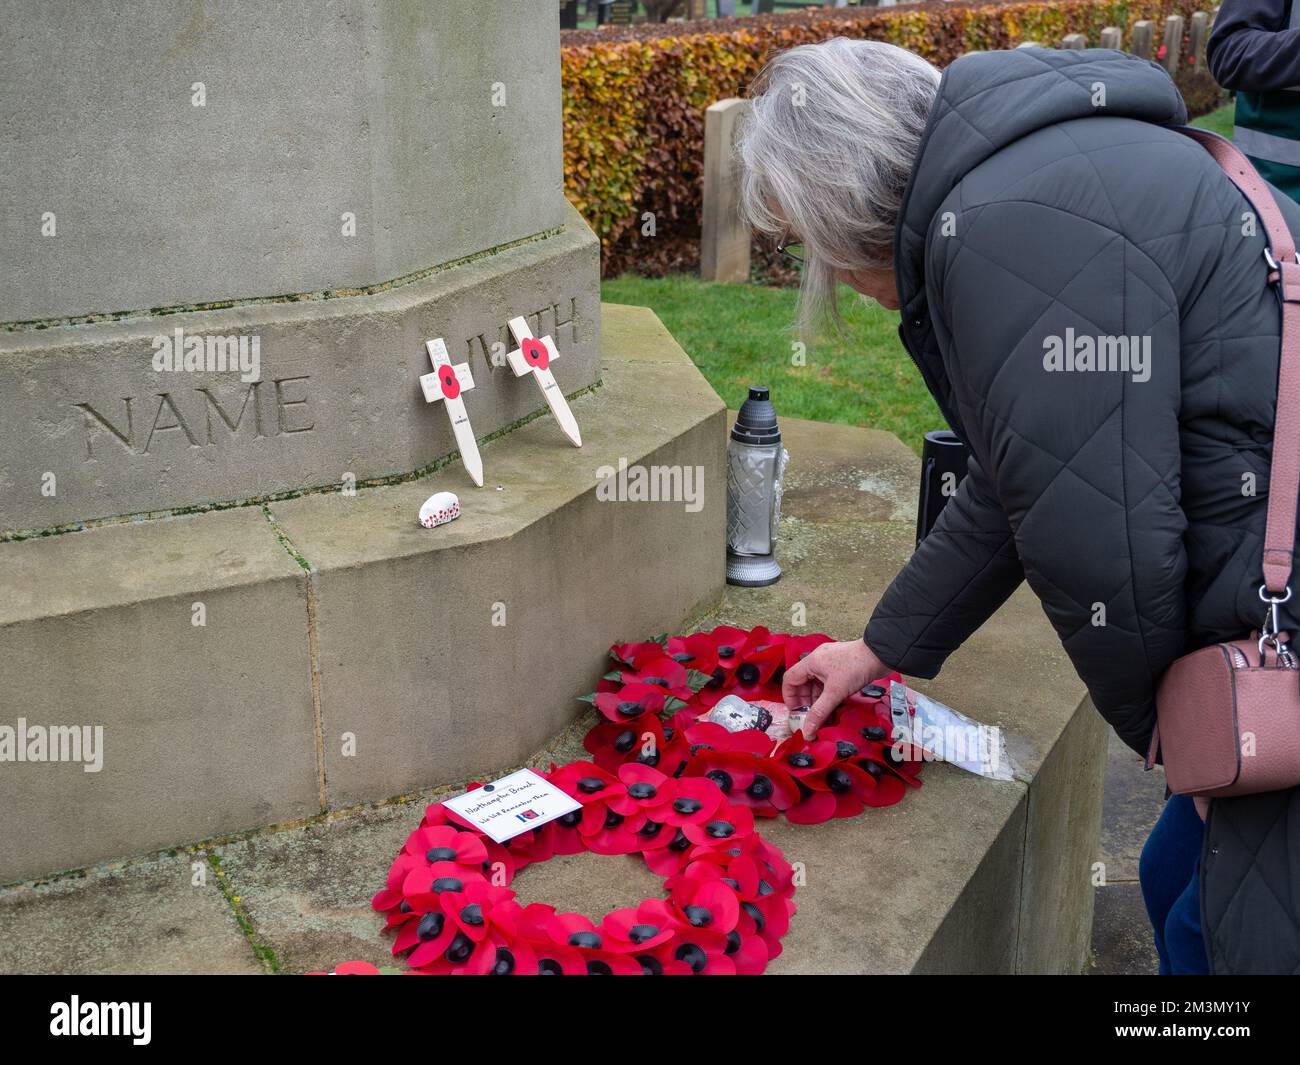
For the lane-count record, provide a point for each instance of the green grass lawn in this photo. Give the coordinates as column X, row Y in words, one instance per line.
column 741, row 335
column 1219, row 121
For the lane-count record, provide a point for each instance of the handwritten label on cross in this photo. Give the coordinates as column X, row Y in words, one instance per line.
column 445, row 385
column 535, row 355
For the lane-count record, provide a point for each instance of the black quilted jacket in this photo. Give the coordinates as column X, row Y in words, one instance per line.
column 1049, row 215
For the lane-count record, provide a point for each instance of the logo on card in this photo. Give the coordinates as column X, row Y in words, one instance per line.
column 527, row 815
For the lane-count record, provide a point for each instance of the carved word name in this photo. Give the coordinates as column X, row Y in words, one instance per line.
column 202, row 417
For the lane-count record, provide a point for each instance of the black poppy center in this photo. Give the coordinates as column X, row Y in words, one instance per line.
column 585, row 939
column 590, row 785
column 839, row 781
column 461, row 948
column 430, row 926
column 699, row 916
column 721, row 778
column 642, row 790
column 440, row 854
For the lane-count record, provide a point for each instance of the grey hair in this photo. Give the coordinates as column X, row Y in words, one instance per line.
column 826, row 153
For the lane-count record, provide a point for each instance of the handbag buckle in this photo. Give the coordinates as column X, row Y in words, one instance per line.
column 1273, row 264
column 1270, row 631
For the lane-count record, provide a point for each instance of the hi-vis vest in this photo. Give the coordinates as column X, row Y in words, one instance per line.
column 1268, row 129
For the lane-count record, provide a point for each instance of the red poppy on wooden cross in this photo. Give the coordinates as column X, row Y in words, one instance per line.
column 535, row 355
column 445, row 385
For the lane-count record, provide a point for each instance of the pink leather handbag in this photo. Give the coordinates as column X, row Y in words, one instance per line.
column 1228, row 716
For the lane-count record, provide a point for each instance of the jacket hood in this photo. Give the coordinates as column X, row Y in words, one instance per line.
column 987, row 100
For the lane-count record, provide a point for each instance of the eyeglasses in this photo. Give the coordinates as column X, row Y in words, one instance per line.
column 792, row 250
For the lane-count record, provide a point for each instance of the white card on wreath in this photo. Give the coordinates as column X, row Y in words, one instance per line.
column 516, row 803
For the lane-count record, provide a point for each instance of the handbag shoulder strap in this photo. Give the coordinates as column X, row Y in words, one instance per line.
column 1284, row 271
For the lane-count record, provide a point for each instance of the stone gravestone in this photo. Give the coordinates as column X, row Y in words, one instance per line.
column 227, row 298
column 1143, row 35
column 724, row 237
column 1173, row 43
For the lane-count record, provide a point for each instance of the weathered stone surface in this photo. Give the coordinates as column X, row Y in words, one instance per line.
column 1061, row 833
column 338, row 396
column 206, row 728
column 307, row 890
column 1122, row 943
column 443, row 653
column 844, row 473
column 436, row 125
column 147, row 917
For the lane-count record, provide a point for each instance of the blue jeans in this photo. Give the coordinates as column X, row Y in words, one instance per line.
column 1169, row 872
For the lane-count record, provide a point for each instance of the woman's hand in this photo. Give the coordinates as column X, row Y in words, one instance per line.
column 827, row 677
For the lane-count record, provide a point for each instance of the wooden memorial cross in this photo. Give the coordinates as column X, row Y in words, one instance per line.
column 445, row 384
column 534, row 355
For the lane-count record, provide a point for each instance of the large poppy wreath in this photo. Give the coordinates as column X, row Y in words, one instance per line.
column 681, row 792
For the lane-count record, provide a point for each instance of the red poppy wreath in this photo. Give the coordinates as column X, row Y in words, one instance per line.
column 728, row 890
column 680, row 791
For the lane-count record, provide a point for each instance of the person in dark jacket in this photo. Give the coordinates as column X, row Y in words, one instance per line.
column 1255, row 50
column 1085, row 295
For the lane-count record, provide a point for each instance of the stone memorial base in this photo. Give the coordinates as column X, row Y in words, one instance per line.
column 259, row 664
